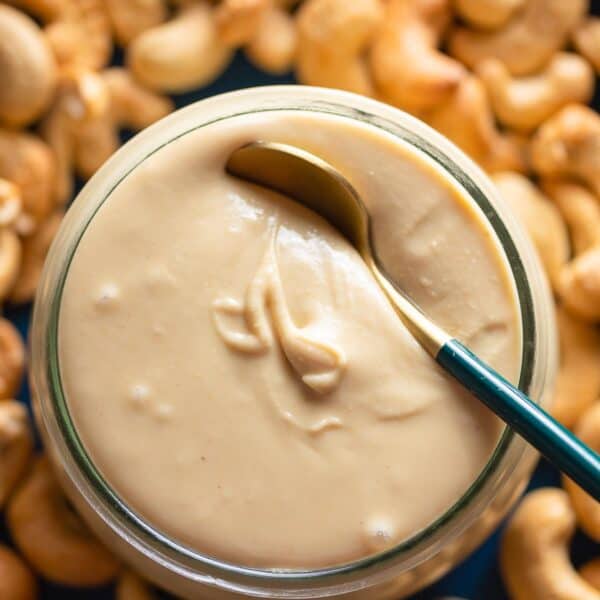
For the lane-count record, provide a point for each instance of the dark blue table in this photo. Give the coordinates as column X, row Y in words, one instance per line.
column 477, row 578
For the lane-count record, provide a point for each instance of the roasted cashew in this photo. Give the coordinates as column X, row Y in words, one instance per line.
column 408, row 69
column 590, row 571
column 333, row 38
column 130, row 18
column 132, row 105
column 35, row 248
column 568, row 144
column 579, row 286
column 12, row 359
column 27, row 162
column 587, row 40
column 580, row 210
column 541, row 219
column 16, row 447
column 487, row 14
column 11, row 203
column 52, row 537
column 238, row 20
column 586, row 508
column 27, row 69
column 525, row 103
column 467, row 119
column 132, row 587
column 527, row 42
column 10, row 261
column 578, row 381
column 181, row 54
column 534, row 555
column 273, row 46
column 17, row 582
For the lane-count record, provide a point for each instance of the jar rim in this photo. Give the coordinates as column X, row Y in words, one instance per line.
column 55, row 413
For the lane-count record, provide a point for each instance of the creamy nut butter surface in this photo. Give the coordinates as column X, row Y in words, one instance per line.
column 238, row 377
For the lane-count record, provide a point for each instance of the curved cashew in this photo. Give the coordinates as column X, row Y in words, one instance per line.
column 273, row 46
column 525, row 103
column 580, row 210
column 27, row 69
column 541, row 219
column 182, row 54
column 16, row 447
column 579, row 285
column 333, row 37
column 590, row 571
column 131, row 18
column 467, row 119
column 238, row 20
column 17, row 582
column 527, row 42
column 35, row 248
column 52, row 537
column 11, row 203
column 568, row 144
column 132, row 105
column 132, row 587
column 578, row 381
column 586, row 508
column 12, row 359
column 27, row 162
column 587, row 40
column 487, row 14
column 10, row 260
column 534, row 555
column 409, row 71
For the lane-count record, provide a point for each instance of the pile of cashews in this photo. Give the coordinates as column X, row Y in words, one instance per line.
column 507, row 80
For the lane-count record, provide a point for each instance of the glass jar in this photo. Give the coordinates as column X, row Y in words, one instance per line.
column 414, row 563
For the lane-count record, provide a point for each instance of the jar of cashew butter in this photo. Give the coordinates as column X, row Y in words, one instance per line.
column 226, row 394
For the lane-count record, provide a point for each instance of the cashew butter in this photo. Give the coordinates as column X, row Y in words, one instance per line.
column 238, row 377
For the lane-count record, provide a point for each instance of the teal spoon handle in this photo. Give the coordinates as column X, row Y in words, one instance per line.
column 555, row 442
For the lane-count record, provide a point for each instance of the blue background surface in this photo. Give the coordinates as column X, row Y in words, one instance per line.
column 477, row 577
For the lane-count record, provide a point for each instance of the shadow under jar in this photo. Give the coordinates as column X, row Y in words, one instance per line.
column 339, row 461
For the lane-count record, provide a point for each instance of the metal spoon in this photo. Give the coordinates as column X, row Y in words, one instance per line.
column 320, row 187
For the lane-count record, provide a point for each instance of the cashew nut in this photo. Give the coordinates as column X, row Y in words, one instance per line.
column 11, row 203
column 580, row 210
column 17, row 582
column 12, row 359
column 35, row 248
column 541, row 219
column 27, row 69
column 525, row 103
column 527, row 42
column 52, row 537
column 129, row 19
column 534, row 554
column 568, row 144
column 578, row 381
column 238, row 20
column 10, row 260
column 181, row 54
column 586, row 508
column 587, row 40
column 467, row 119
column 590, row 571
column 579, row 286
column 132, row 587
column 487, row 14
column 273, row 46
column 132, row 105
column 27, row 162
column 333, row 38
column 16, row 446
column 408, row 69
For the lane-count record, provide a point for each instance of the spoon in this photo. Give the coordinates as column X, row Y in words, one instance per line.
column 320, row 187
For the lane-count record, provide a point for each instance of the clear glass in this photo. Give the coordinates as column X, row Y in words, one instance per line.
column 399, row 571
